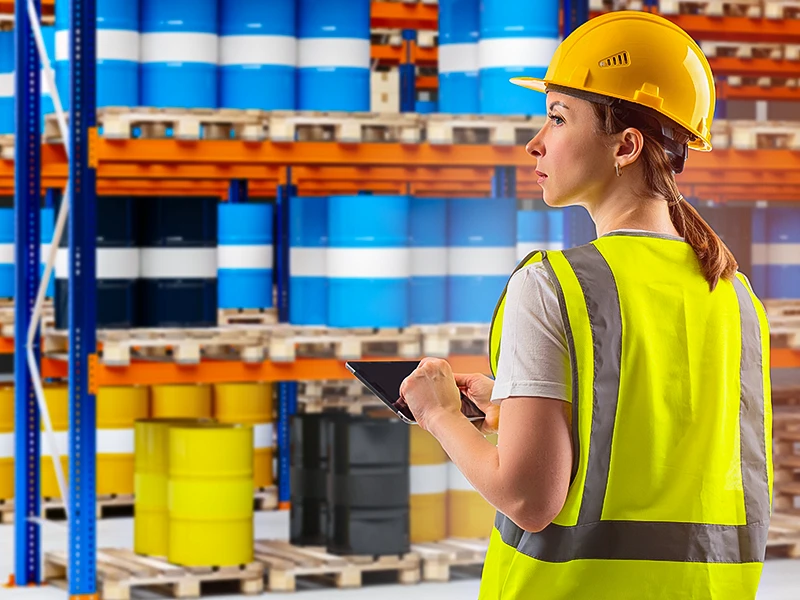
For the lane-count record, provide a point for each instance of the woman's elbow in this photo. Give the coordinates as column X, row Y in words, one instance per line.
column 534, row 517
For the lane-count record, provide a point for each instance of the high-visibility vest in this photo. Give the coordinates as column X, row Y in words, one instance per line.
column 671, row 487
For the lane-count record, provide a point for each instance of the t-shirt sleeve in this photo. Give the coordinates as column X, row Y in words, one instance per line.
column 534, row 358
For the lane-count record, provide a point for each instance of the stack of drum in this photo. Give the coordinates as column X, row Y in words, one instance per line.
column 350, row 483
column 182, row 401
column 251, row 404
column 481, row 239
column 245, row 257
column 459, row 30
column 776, row 252
column 6, row 443
column 428, row 241
column 118, row 408
column 308, row 261
column 194, row 492
column 428, row 487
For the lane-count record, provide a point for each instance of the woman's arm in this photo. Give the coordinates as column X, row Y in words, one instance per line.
column 526, row 476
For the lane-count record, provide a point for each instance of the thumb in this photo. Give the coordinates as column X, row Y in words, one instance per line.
column 463, row 379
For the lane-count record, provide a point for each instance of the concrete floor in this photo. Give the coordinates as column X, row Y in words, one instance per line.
column 781, row 580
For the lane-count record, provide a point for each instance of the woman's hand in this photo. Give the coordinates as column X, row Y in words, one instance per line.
column 431, row 391
column 478, row 388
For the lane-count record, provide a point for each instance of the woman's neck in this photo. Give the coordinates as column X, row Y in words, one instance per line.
column 632, row 212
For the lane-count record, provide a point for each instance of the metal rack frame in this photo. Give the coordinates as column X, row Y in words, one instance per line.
column 84, row 375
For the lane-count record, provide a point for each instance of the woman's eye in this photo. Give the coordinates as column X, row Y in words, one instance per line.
column 556, row 120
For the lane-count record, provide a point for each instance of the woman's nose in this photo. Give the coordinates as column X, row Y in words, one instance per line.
column 535, row 147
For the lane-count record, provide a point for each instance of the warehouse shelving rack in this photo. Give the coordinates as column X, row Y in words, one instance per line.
column 282, row 169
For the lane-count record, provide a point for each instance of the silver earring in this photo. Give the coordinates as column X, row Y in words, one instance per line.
column 618, row 170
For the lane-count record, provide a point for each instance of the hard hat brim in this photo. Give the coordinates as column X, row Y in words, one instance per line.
column 532, row 83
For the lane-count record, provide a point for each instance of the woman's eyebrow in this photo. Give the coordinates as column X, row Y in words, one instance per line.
column 558, row 103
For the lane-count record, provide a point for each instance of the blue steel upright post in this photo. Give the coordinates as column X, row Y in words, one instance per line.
column 237, row 191
column 82, row 299
column 408, row 73
column 576, row 13
column 26, row 259
column 287, row 390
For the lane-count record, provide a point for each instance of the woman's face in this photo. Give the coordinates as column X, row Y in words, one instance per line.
column 574, row 162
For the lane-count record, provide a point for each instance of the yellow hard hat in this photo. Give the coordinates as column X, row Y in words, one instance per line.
column 641, row 58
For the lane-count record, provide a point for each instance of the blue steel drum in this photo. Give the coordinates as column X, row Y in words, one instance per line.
column 117, row 266
column 532, row 232
column 179, row 262
column 179, row 53
column 308, row 262
column 759, row 252
column 579, row 229
column 459, row 30
column 6, row 252
column 245, row 255
column 555, row 229
column 46, row 236
column 481, row 238
column 6, row 82
column 425, row 107
column 368, row 261
column 333, row 55
column 428, row 241
column 258, row 54
column 783, row 254
column 518, row 39
column 117, row 52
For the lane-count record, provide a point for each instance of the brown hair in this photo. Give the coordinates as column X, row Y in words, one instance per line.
column 716, row 261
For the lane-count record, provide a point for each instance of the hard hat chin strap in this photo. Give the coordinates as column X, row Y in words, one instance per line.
column 674, row 138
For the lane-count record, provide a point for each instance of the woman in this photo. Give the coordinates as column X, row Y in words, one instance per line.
column 632, row 395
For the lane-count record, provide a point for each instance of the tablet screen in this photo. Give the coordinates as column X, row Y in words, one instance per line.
column 386, row 377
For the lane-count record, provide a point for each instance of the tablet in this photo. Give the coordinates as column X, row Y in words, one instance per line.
column 384, row 378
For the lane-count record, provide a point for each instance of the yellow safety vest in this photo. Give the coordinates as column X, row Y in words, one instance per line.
column 671, row 487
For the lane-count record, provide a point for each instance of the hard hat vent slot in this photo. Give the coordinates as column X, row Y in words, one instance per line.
column 621, row 59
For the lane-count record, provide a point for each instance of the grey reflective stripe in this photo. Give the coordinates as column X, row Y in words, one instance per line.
column 755, row 481
column 573, row 361
column 605, row 319
column 640, row 540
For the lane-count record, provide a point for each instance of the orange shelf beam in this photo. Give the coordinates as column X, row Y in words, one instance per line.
column 401, row 15
column 784, row 358
column 394, row 55
column 756, row 92
column 303, row 369
column 7, row 7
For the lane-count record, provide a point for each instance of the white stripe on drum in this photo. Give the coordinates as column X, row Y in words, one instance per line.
column 263, row 436
column 315, row 53
column 428, row 262
column 180, row 48
column 481, row 261
column 369, row 263
column 244, row 257
column 115, row 441
column 258, row 50
column 178, row 263
column 428, row 479
column 308, row 262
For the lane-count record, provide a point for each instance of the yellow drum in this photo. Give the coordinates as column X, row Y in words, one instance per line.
column 210, row 494
column 469, row 515
column 117, row 410
column 150, row 475
column 428, row 472
column 251, row 404
column 57, row 399
column 6, row 443
column 181, row 401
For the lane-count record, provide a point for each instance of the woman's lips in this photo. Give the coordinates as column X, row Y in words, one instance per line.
column 542, row 177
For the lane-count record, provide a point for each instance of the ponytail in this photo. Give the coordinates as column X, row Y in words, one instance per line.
column 716, row 261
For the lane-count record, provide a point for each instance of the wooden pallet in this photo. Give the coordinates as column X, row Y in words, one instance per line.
column 7, row 317
column 7, row 147
column 789, row 52
column 786, row 456
column 53, row 508
column 784, row 537
column 781, row 9
column 765, row 82
column 481, row 129
column 446, row 340
column 439, row 557
column 120, row 570
column 752, row 135
column 184, row 346
column 123, row 123
column 284, row 563
column 782, row 308
column 266, row 498
column 731, row 8
column 247, row 316
column 344, row 127
column 286, row 344
column 609, row 5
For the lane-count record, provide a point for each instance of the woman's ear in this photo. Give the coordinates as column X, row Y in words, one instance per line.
column 629, row 146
